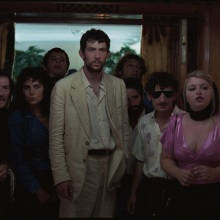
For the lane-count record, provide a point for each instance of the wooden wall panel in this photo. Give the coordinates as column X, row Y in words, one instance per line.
column 214, row 52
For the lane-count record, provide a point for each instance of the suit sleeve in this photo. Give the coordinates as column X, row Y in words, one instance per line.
column 56, row 135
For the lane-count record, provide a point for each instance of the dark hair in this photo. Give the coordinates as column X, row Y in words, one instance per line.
column 134, row 83
column 36, row 73
column 55, row 50
column 163, row 79
column 5, row 73
column 129, row 56
column 94, row 35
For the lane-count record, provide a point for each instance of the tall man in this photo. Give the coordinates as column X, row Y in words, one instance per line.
column 89, row 133
column 6, row 176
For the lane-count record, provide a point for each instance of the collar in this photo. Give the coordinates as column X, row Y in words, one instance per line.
column 175, row 111
column 86, row 82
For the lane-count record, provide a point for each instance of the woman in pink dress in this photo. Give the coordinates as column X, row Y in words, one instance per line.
column 191, row 151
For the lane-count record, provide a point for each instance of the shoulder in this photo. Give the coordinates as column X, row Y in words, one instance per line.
column 146, row 118
column 71, row 81
column 69, row 78
column 113, row 78
column 217, row 117
column 16, row 116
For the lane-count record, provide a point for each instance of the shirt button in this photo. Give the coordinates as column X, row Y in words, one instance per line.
column 84, row 160
column 87, row 142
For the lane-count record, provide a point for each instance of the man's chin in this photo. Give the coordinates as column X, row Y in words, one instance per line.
column 133, row 112
column 95, row 69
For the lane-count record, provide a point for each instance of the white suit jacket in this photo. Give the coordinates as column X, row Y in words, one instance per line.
column 69, row 130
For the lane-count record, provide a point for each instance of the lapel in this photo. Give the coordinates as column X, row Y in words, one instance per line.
column 78, row 96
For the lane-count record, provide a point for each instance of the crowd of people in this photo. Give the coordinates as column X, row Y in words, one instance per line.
column 84, row 143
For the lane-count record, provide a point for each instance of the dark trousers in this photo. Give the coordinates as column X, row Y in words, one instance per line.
column 27, row 206
column 155, row 198
column 196, row 202
column 122, row 198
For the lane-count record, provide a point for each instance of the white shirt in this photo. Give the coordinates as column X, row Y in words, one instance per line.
column 147, row 147
column 100, row 130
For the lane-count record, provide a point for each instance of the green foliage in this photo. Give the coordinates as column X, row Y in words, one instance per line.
column 114, row 58
column 31, row 57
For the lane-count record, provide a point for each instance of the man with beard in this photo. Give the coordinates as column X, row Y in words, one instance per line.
column 136, row 109
column 6, row 175
column 56, row 64
column 149, row 180
column 89, row 133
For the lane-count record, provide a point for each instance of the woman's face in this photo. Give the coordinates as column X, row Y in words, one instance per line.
column 33, row 91
column 198, row 93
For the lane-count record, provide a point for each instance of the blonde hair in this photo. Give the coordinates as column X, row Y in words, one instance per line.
column 208, row 78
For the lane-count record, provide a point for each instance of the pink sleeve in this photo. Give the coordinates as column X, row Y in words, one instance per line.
column 167, row 138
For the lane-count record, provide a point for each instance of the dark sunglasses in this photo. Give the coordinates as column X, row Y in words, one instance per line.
column 157, row 94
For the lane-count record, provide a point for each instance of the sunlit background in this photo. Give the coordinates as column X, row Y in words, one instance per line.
column 67, row 37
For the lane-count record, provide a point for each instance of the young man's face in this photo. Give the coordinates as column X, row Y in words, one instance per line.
column 162, row 100
column 131, row 68
column 4, row 91
column 94, row 56
column 57, row 65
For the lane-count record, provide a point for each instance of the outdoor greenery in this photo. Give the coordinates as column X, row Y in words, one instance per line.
column 33, row 57
column 114, row 58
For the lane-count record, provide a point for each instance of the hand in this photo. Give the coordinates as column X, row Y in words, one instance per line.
column 205, row 173
column 43, row 196
column 185, row 177
column 65, row 190
column 3, row 172
column 131, row 204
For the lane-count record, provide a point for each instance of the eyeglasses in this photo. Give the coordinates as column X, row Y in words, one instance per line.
column 167, row 94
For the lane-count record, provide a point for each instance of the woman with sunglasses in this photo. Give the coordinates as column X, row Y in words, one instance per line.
column 150, row 181
column 191, row 150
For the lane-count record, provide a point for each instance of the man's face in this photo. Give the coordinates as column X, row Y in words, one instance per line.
column 57, row 65
column 131, row 68
column 162, row 99
column 94, row 56
column 135, row 102
column 4, row 91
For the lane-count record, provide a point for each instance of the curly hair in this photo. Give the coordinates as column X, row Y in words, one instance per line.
column 36, row 74
column 129, row 56
column 163, row 79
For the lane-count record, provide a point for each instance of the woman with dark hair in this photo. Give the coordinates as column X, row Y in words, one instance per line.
column 29, row 136
column 191, row 150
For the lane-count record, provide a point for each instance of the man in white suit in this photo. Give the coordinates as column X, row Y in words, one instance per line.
column 89, row 133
